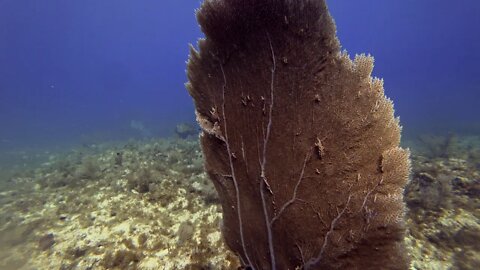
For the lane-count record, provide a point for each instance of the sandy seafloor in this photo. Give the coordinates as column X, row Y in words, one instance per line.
column 149, row 205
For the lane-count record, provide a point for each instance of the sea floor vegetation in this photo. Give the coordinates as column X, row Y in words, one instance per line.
column 149, row 205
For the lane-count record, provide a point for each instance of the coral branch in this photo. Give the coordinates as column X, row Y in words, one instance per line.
column 232, row 168
column 313, row 261
column 263, row 164
column 294, row 195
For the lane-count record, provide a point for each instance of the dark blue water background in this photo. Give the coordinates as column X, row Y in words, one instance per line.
column 73, row 71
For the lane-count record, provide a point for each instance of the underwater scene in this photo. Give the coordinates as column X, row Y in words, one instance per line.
column 239, row 134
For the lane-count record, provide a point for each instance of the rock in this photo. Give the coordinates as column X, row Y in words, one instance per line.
column 184, row 130
column 185, row 232
column 46, row 241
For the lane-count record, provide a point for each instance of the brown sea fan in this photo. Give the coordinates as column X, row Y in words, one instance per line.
column 299, row 140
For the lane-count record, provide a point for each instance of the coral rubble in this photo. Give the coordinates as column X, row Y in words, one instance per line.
column 103, row 223
column 84, row 211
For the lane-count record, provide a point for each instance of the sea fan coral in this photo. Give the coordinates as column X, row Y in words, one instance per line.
column 302, row 144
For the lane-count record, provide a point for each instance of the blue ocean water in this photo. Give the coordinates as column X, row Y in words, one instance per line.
column 91, row 92
column 76, row 69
